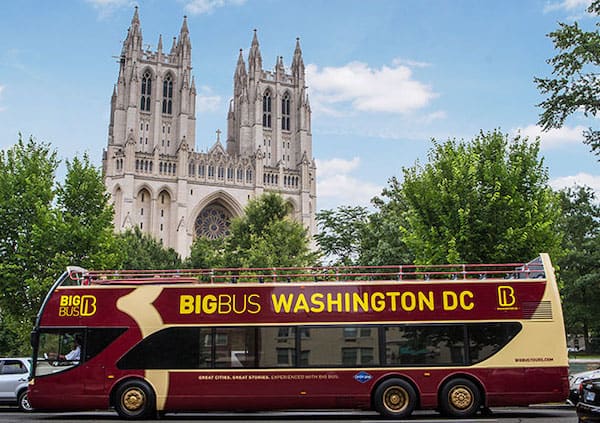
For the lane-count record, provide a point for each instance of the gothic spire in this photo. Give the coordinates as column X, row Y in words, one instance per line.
column 184, row 46
column 297, row 62
column 160, row 46
column 134, row 33
column 241, row 66
column 135, row 21
column 184, row 26
column 254, row 58
column 184, row 34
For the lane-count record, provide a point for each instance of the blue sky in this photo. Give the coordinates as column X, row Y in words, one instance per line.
column 384, row 76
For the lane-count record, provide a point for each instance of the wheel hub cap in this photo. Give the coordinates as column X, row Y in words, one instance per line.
column 461, row 397
column 133, row 400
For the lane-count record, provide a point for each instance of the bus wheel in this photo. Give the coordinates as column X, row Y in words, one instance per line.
column 395, row 398
column 135, row 400
column 460, row 398
column 23, row 401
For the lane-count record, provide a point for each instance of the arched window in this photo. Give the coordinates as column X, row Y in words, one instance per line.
column 146, row 92
column 285, row 112
column 167, row 103
column 267, row 109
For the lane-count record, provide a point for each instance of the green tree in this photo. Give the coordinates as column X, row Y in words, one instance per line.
column 266, row 236
column 87, row 230
column 574, row 85
column 140, row 251
column 45, row 228
column 341, row 232
column 28, row 242
column 579, row 270
column 207, row 253
column 382, row 241
column 481, row 201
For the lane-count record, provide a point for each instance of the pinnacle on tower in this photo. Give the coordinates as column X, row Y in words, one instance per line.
column 297, row 62
column 135, row 27
column 184, row 26
column 241, row 66
column 136, row 17
column 254, row 57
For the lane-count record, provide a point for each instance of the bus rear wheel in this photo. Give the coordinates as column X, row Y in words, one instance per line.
column 395, row 398
column 135, row 400
column 460, row 398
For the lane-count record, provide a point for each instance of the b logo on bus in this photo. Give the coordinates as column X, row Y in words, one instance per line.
column 77, row 305
column 363, row 377
column 506, row 296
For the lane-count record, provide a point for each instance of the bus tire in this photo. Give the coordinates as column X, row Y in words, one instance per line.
column 23, row 401
column 395, row 398
column 460, row 398
column 135, row 399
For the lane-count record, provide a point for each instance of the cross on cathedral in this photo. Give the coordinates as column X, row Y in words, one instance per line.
column 218, row 135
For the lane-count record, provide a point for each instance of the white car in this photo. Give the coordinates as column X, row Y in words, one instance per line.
column 576, row 379
column 14, row 375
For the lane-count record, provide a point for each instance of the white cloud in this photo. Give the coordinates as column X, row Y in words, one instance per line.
column 581, row 179
column 554, row 138
column 206, row 101
column 336, row 186
column 391, row 89
column 410, row 63
column 200, row 7
column 105, row 8
column 567, row 5
column 335, row 166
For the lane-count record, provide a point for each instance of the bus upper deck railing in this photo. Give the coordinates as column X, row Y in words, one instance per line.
column 407, row 273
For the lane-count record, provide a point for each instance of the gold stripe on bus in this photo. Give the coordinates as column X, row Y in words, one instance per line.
column 138, row 305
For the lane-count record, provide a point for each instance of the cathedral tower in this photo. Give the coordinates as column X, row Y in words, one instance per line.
column 156, row 179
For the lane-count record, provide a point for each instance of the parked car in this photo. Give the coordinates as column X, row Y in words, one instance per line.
column 14, row 374
column 575, row 383
column 588, row 408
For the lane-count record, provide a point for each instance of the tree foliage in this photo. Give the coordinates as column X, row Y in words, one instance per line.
column 383, row 238
column 574, row 85
column 46, row 227
column 139, row 250
column 341, row 232
column 265, row 236
column 87, row 231
column 482, row 201
column 579, row 270
column 29, row 233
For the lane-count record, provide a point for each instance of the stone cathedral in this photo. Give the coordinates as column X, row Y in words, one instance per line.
column 161, row 185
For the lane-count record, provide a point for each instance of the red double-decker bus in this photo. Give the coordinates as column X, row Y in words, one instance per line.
column 391, row 339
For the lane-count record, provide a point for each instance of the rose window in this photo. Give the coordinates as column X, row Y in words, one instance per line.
column 213, row 222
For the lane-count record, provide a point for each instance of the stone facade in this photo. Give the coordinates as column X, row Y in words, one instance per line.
column 156, row 179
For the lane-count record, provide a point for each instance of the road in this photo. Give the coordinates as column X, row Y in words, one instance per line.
column 500, row 415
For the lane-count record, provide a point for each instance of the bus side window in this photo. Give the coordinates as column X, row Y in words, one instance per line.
column 486, row 339
column 99, row 338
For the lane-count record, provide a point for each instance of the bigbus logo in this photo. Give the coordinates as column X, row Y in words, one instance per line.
column 506, row 296
column 77, row 305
